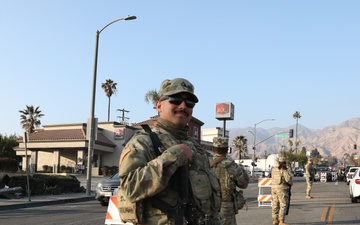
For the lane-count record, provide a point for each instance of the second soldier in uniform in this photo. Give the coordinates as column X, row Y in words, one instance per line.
column 309, row 175
column 281, row 180
column 231, row 175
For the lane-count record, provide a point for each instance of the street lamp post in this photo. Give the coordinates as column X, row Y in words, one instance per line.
column 91, row 136
column 253, row 157
column 266, row 155
column 254, row 145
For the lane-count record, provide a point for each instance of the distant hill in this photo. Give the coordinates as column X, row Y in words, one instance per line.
column 332, row 140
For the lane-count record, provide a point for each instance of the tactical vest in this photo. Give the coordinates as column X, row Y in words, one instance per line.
column 276, row 176
column 228, row 186
column 204, row 186
column 309, row 170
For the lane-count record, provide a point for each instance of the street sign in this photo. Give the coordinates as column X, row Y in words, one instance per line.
column 281, row 135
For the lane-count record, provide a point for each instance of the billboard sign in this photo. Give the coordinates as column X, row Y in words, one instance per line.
column 224, row 111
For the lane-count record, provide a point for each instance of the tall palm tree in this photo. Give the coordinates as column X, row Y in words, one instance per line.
column 30, row 118
column 152, row 96
column 240, row 143
column 296, row 116
column 110, row 88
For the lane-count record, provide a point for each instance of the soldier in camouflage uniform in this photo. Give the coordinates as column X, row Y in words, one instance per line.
column 145, row 176
column 309, row 176
column 231, row 175
column 281, row 180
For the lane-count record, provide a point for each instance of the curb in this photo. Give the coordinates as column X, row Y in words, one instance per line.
column 45, row 203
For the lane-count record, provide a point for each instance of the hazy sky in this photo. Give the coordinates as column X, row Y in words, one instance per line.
column 269, row 58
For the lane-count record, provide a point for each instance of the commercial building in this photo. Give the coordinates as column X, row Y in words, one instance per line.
column 65, row 146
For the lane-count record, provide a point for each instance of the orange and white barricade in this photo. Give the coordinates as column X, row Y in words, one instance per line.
column 334, row 176
column 264, row 197
column 112, row 214
column 323, row 177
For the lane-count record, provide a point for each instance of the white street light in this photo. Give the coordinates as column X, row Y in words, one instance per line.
column 254, row 145
column 92, row 131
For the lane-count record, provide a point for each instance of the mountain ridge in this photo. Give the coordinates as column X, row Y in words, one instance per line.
column 333, row 140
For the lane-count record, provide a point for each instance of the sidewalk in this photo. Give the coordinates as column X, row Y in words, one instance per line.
column 42, row 200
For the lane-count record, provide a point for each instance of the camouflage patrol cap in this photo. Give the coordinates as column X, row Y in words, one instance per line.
column 282, row 159
column 175, row 86
column 220, row 142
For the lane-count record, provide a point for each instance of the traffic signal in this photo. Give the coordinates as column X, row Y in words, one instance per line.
column 253, row 164
column 291, row 133
column 355, row 146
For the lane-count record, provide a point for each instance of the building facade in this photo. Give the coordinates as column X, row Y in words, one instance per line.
column 65, row 145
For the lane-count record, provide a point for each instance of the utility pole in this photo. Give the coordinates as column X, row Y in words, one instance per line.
column 123, row 115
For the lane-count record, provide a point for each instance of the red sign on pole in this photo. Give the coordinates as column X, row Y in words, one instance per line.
column 224, row 111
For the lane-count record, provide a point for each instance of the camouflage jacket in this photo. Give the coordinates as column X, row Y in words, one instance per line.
column 143, row 174
column 231, row 175
column 309, row 170
column 281, row 177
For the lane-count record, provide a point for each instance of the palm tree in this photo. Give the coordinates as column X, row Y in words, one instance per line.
column 152, row 96
column 110, row 88
column 240, row 143
column 30, row 118
column 296, row 116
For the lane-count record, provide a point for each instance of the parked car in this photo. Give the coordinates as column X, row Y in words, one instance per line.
column 298, row 173
column 344, row 172
column 105, row 189
column 258, row 173
column 354, row 187
column 350, row 174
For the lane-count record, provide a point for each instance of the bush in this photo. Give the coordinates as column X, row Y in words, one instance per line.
column 41, row 184
column 66, row 169
column 45, row 168
column 105, row 170
column 8, row 164
column 113, row 170
column 109, row 171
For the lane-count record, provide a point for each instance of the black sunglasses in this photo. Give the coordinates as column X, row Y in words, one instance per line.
column 176, row 100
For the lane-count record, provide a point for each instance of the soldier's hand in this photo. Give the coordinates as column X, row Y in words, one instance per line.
column 187, row 151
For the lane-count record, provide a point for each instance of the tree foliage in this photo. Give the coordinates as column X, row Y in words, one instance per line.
column 291, row 157
column 6, row 146
column 240, row 144
column 332, row 161
column 301, row 158
column 314, row 153
column 152, row 96
column 110, row 88
column 30, row 118
column 351, row 160
column 296, row 116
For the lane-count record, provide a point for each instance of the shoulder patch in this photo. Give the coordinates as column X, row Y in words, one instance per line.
column 124, row 153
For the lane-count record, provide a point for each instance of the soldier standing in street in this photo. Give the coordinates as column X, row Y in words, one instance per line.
column 231, row 175
column 281, row 180
column 152, row 189
column 309, row 175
